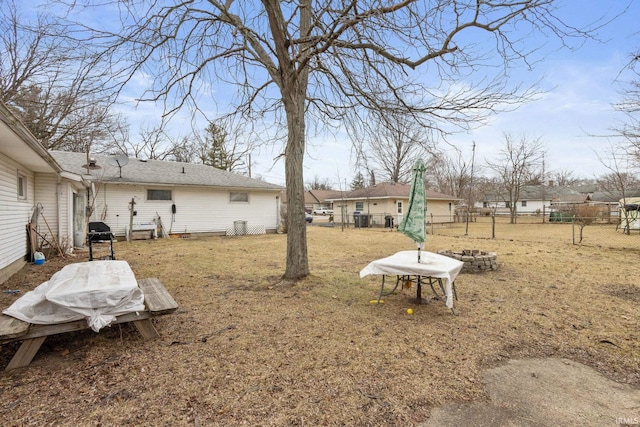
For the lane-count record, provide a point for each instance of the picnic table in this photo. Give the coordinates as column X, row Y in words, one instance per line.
column 432, row 268
column 156, row 301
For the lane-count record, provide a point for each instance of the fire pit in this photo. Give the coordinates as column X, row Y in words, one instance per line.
column 475, row 261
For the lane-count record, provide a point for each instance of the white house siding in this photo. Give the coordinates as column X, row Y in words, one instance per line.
column 47, row 198
column 56, row 197
column 533, row 207
column 15, row 213
column 198, row 209
column 442, row 210
column 65, row 214
column 111, row 205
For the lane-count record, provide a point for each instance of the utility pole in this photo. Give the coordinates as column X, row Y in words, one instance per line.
column 343, row 208
column 473, row 157
column 544, row 193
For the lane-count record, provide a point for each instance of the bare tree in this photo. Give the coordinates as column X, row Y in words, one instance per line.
column 623, row 158
column 451, row 174
column 630, row 106
column 620, row 178
column 184, row 150
column 564, row 178
column 392, row 145
column 515, row 166
column 151, row 139
column 51, row 83
column 327, row 63
column 584, row 215
column 27, row 56
column 319, row 184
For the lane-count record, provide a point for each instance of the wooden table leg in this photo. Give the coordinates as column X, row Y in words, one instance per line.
column 25, row 353
column 146, row 329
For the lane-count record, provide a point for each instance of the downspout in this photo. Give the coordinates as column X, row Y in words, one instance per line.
column 58, row 210
column 277, row 214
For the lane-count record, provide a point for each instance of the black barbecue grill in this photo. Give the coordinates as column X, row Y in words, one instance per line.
column 99, row 232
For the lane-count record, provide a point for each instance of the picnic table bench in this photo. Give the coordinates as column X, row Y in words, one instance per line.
column 157, row 301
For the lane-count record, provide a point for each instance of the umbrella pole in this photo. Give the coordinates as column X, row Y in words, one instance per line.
column 419, row 289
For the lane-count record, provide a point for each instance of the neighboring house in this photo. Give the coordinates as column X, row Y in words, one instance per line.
column 589, row 187
column 32, row 187
column 189, row 198
column 533, row 200
column 568, row 202
column 613, row 197
column 630, row 213
column 612, row 201
column 382, row 202
column 317, row 199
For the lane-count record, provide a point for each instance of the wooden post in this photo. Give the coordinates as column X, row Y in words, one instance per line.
column 53, row 236
column 132, row 205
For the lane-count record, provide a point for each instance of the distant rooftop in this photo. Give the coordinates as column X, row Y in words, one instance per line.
column 157, row 172
column 387, row 190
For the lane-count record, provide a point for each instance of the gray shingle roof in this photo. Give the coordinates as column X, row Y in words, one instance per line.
column 387, row 190
column 157, row 172
column 535, row 192
column 614, row 196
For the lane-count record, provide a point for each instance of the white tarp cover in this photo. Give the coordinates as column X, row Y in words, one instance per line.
column 96, row 290
column 406, row 263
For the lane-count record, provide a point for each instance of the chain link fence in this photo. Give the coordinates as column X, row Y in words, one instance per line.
column 597, row 231
column 583, row 231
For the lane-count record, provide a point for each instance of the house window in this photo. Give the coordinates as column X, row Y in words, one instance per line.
column 399, row 207
column 159, row 194
column 239, row 197
column 524, row 203
column 22, row 186
column 485, row 204
column 507, row 204
column 360, row 206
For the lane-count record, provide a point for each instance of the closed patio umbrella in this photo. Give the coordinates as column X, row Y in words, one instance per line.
column 413, row 224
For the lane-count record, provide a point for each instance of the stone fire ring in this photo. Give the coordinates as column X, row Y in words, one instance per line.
column 475, row 261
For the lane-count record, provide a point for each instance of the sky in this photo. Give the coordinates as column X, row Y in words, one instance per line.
column 572, row 116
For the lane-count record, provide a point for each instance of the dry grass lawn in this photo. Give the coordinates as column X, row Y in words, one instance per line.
column 241, row 350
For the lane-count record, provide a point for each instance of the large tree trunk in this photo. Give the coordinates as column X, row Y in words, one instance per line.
column 294, row 81
column 297, row 261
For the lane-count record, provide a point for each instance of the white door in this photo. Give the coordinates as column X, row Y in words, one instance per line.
column 79, row 221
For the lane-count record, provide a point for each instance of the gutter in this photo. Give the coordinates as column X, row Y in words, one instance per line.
column 73, row 177
column 27, row 137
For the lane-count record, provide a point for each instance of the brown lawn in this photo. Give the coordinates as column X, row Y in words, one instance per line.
column 242, row 350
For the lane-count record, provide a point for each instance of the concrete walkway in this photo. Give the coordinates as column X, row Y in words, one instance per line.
column 545, row 392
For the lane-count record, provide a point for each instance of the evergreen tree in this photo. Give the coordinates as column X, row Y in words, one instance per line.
column 358, row 181
column 213, row 150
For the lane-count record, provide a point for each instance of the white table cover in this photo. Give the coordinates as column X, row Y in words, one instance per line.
column 96, row 290
column 406, row 263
